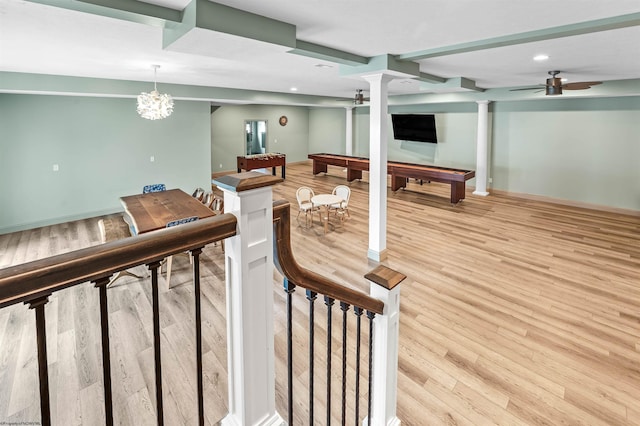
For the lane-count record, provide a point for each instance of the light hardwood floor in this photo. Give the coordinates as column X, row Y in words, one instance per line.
column 514, row 312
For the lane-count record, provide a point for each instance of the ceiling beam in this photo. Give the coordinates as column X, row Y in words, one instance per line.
column 383, row 63
column 616, row 22
column 133, row 11
column 430, row 78
column 207, row 15
column 317, row 51
column 452, row 83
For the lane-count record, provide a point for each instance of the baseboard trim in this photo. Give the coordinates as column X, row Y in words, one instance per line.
column 54, row 221
column 570, row 203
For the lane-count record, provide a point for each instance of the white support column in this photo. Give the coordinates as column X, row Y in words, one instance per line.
column 482, row 157
column 384, row 285
column 378, row 166
column 349, row 131
column 249, row 286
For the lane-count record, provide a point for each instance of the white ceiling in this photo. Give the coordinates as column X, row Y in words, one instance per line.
column 43, row 39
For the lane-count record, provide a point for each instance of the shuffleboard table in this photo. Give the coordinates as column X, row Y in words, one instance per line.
column 400, row 172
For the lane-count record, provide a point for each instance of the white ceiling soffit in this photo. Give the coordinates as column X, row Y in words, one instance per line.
column 274, row 46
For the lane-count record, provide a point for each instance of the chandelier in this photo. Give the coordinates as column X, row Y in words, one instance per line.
column 154, row 105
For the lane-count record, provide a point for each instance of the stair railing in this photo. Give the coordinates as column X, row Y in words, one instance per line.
column 382, row 310
column 34, row 282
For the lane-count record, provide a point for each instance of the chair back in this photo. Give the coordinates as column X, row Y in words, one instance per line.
column 217, row 205
column 182, row 221
column 344, row 192
column 198, row 194
column 207, row 199
column 156, row 187
column 304, row 194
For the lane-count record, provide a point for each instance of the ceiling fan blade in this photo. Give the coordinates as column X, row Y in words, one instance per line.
column 580, row 85
column 527, row 88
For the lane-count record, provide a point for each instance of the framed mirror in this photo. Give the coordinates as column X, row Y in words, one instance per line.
column 256, row 136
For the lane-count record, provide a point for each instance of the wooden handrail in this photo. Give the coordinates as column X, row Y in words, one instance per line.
column 287, row 265
column 42, row 277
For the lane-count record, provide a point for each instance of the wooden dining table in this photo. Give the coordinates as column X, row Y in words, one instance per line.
column 152, row 211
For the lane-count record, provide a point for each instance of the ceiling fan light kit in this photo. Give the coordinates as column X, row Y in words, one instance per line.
column 554, row 84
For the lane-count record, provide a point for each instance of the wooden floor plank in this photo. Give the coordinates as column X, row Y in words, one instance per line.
column 515, row 311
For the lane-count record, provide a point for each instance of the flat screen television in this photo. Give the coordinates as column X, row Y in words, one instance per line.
column 414, row 127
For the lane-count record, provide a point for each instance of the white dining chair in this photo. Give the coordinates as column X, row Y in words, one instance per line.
column 342, row 209
column 304, row 195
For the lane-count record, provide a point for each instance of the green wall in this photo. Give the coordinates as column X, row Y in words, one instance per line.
column 327, row 130
column 581, row 150
column 455, row 125
column 103, row 150
column 228, row 137
column 585, row 150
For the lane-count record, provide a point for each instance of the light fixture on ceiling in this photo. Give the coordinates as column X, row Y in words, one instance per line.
column 154, row 105
column 541, row 57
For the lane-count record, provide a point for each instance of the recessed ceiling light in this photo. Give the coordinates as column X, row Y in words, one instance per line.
column 324, row 66
column 541, row 57
column 294, row 89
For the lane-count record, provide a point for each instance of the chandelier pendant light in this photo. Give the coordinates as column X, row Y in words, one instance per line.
column 155, row 105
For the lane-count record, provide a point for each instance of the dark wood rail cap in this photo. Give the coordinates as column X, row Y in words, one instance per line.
column 39, row 278
column 239, row 182
column 385, row 277
column 307, row 279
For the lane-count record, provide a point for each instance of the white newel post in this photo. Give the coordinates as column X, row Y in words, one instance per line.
column 249, row 286
column 482, row 158
column 384, row 285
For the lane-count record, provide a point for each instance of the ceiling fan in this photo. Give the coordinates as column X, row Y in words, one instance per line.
column 554, row 85
column 359, row 99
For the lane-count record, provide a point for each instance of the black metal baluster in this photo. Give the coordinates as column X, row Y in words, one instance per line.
column 329, row 302
column 358, row 312
column 311, row 297
column 156, row 340
column 43, row 370
column 289, row 288
column 101, row 285
column 344, row 307
column 196, row 290
column 371, row 316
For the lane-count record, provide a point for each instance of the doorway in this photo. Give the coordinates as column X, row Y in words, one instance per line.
column 256, row 136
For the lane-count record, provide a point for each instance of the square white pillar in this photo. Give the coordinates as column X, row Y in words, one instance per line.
column 249, row 286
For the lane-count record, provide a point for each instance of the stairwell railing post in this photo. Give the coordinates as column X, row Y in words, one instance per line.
column 384, row 285
column 249, row 288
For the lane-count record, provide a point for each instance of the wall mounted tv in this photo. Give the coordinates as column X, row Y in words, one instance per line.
column 414, row 127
